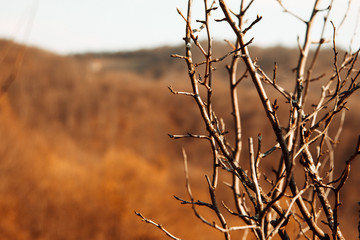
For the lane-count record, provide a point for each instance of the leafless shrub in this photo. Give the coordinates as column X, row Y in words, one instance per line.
column 266, row 204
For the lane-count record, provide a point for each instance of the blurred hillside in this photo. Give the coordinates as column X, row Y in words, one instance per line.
column 84, row 142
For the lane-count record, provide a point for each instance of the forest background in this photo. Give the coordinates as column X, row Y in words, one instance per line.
column 84, row 142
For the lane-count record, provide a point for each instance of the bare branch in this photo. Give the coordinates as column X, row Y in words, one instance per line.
column 199, row 203
column 293, row 200
column 157, row 225
column 254, row 175
column 180, row 93
column 226, row 55
column 264, row 213
column 258, row 18
column 290, row 12
column 189, row 135
column 281, row 90
column 178, row 56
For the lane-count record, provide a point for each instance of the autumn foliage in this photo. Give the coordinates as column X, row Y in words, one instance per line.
column 84, row 143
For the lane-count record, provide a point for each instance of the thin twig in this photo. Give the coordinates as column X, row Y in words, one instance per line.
column 189, row 135
column 157, row 225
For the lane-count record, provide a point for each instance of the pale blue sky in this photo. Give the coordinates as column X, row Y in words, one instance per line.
column 68, row 26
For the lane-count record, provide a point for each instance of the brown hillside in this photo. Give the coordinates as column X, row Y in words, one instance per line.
column 84, row 143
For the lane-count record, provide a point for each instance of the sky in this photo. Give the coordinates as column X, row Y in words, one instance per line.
column 72, row 26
